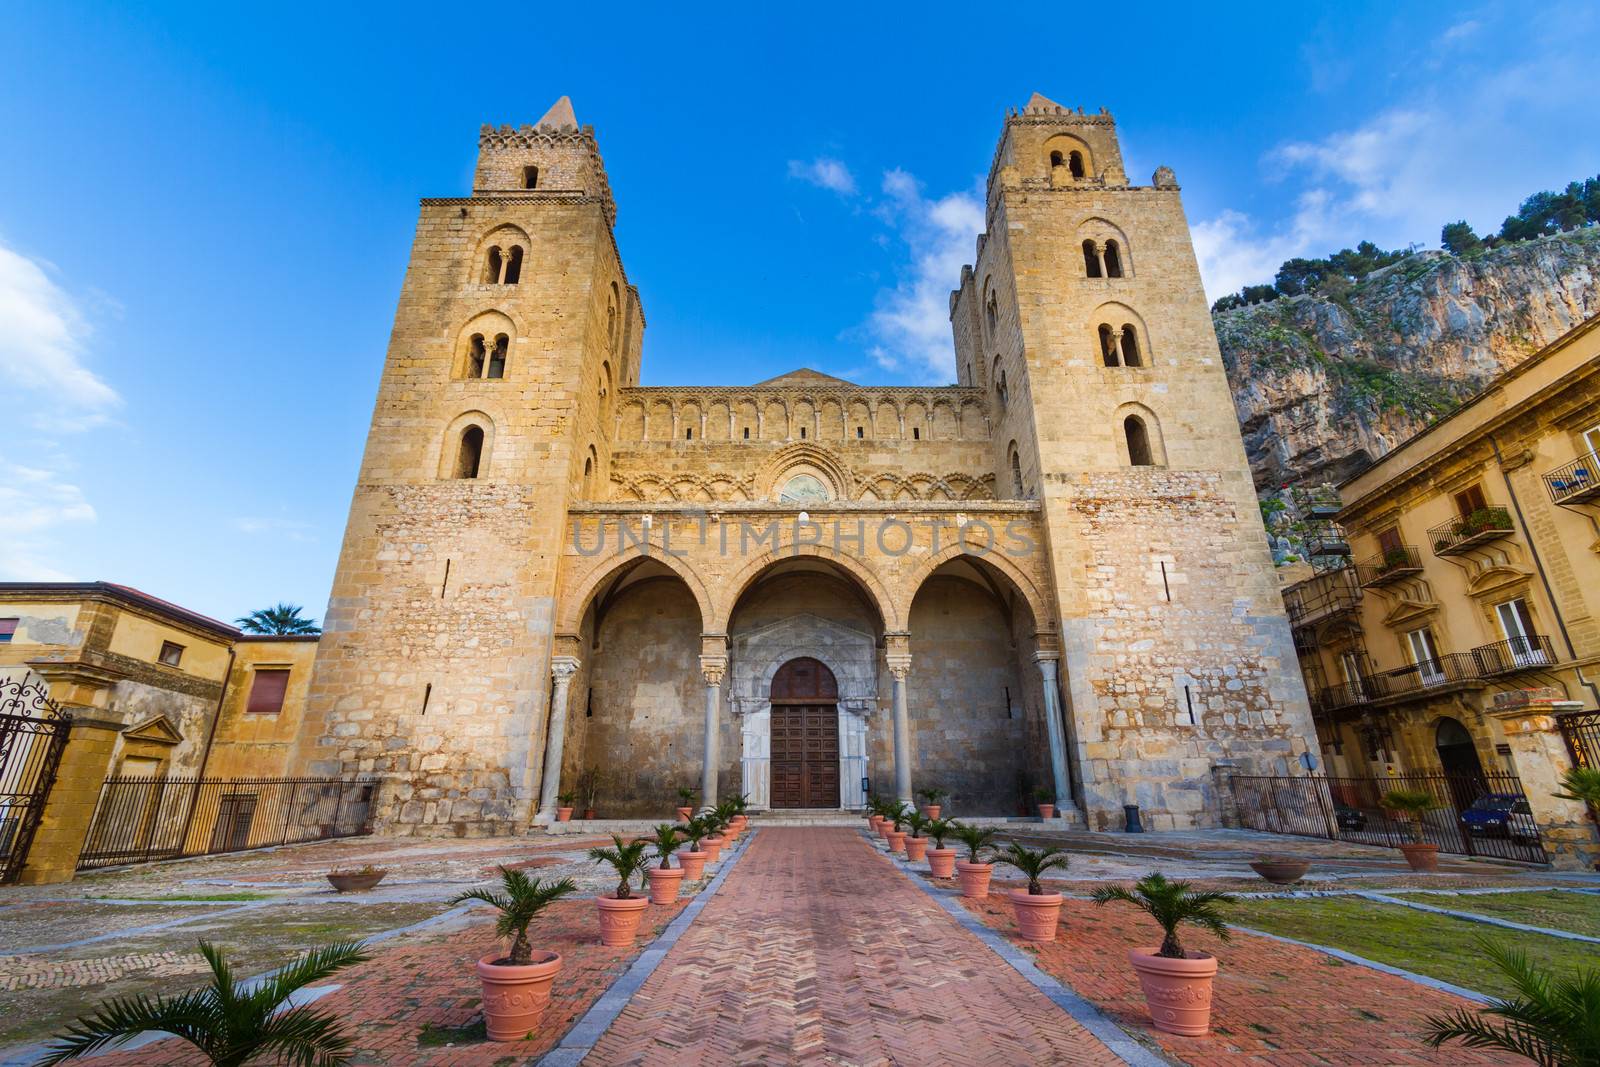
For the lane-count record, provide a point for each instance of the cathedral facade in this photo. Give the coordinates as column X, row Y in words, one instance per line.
column 1048, row 581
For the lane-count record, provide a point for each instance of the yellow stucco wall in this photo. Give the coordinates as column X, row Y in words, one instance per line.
column 255, row 745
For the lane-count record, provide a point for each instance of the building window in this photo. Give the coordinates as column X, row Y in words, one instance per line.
column 1016, row 473
column 1108, row 346
column 1425, row 656
column 860, row 432
column 803, row 489
column 1113, row 258
column 1130, row 347
column 1091, row 260
column 8, row 630
column 497, row 357
column 991, row 312
column 267, row 689
column 513, row 266
column 688, row 435
column 530, row 177
column 171, row 653
column 492, row 265
column 1389, row 542
column 1075, row 164
column 1591, row 440
column 470, row 452
column 1138, row 436
column 1057, row 159
column 802, row 433
column 747, row 433
column 916, row 433
column 1470, row 500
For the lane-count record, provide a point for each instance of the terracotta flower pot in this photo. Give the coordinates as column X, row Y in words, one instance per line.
column 712, row 846
column 1422, row 857
column 588, row 813
column 1047, row 811
column 664, row 884
column 974, row 878
column 740, row 822
column 1281, row 872
column 916, row 848
column 563, row 815
column 514, row 996
column 353, row 882
column 932, row 810
column 685, row 814
column 884, row 827
column 693, row 864
column 942, row 862
column 897, row 840
column 874, row 821
column 1036, row 915
column 1177, row 991
column 619, row 919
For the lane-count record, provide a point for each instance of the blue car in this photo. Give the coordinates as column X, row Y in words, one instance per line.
column 1501, row 815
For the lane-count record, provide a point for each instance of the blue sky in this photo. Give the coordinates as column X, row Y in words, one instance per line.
column 205, row 215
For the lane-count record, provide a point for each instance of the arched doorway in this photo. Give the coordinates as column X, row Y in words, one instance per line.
column 1457, row 754
column 805, row 735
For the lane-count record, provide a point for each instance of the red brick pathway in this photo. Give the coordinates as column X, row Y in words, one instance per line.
column 1273, row 1003
column 816, row 950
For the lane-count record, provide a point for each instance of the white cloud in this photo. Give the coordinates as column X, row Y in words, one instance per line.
column 825, row 173
column 1460, row 31
column 290, row 529
column 34, row 502
column 42, row 335
column 910, row 327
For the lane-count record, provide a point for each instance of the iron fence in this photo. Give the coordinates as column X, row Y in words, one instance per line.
column 1477, row 814
column 1575, row 482
column 1402, row 561
column 143, row 819
column 33, row 731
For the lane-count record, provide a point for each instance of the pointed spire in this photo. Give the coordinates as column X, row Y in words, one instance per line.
column 560, row 116
column 1038, row 102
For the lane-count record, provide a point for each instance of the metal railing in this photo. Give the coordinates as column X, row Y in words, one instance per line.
column 1460, row 534
column 1477, row 814
column 1390, row 566
column 1322, row 597
column 1516, row 654
column 33, row 734
column 1575, row 482
column 143, row 819
column 1326, row 540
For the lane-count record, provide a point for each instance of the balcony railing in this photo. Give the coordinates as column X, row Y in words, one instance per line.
column 1450, row 668
column 1344, row 695
column 1390, row 566
column 1322, row 597
column 1323, row 503
column 1516, row 654
column 1460, row 534
column 1327, row 541
column 1576, row 482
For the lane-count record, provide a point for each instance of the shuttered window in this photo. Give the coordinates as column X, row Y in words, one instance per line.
column 1470, row 500
column 266, row 691
column 8, row 629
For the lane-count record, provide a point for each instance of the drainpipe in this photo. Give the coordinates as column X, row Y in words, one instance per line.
column 205, row 753
column 1544, row 579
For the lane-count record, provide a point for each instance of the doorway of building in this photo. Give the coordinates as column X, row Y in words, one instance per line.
column 805, row 736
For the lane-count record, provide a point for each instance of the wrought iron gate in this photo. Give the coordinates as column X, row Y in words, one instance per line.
column 1581, row 731
column 33, row 731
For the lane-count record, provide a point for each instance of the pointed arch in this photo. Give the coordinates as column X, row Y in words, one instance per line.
column 609, row 566
column 851, row 567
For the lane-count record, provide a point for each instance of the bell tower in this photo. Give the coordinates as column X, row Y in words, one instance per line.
column 1085, row 320
column 515, row 326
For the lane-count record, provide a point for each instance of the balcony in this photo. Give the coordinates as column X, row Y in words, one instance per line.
column 1394, row 565
column 1514, row 654
column 1460, row 534
column 1448, row 669
column 1323, row 503
column 1326, row 541
column 1576, row 483
column 1323, row 597
column 1343, row 695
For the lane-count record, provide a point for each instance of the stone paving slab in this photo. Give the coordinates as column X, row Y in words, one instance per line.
column 817, row 950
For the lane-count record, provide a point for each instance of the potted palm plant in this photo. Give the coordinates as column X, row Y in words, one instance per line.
column 516, row 985
column 875, row 816
column 694, row 830
column 665, row 879
column 1176, row 982
column 896, row 836
column 620, row 911
column 941, row 860
column 1046, row 801
column 230, row 1021
column 685, row 803
column 1037, row 911
column 564, row 806
column 589, row 782
column 740, row 821
column 1552, row 1020
column 931, row 796
column 916, row 844
column 1412, row 805
column 712, row 843
column 975, row 871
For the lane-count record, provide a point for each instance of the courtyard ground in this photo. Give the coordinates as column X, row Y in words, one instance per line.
column 813, row 946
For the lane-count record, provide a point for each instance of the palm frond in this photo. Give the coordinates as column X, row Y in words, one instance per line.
column 304, row 1037
column 191, row 1016
column 309, row 967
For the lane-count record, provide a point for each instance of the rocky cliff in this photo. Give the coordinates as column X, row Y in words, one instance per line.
column 1323, row 386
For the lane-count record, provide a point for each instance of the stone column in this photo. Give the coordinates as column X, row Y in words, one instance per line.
column 562, row 668
column 69, row 806
column 1529, row 719
column 1054, row 729
column 712, row 669
column 898, row 648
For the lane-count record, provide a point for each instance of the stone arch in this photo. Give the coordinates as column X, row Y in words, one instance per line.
column 581, row 591
column 451, row 441
column 689, row 422
column 812, row 459
column 1120, row 319
column 974, row 427
column 851, row 568
column 1059, row 162
column 1103, row 232
column 488, row 330
column 630, row 422
column 1038, row 606
column 658, row 421
column 1151, row 426
column 499, row 240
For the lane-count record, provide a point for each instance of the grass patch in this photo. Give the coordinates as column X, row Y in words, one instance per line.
column 193, row 898
column 1576, row 913
column 1435, row 945
column 432, row 1036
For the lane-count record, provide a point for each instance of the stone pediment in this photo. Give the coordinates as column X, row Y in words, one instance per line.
column 803, row 377
column 1496, row 582
column 158, row 729
column 1407, row 612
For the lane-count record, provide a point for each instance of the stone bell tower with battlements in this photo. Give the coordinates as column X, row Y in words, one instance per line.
column 515, row 327
column 1085, row 321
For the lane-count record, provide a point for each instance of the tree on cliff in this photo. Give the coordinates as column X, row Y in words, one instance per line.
column 280, row 619
column 1458, row 239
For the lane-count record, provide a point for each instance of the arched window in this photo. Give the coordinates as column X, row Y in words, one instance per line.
column 491, row 267
column 1091, row 260
column 1000, row 391
column 991, row 312
column 530, row 177
column 588, row 472
column 916, row 433
column 1113, row 260
column 476, row 356
column 747, row 433
column 1075, row 164
column 1016, row 473
column 688, row 433
column 1133, row 428
column 1130, row 347
column 497, row 357
column 514, row 265
column 1108, row 346
column 1057, row 159
column 860, row 432
column 469, row 453
column 611, row 317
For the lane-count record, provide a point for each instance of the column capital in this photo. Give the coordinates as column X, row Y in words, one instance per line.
column 562, row 668
column 897, row 643
column 713, row 668
column 900, row 665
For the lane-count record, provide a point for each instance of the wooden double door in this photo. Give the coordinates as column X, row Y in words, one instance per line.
column 805, row 736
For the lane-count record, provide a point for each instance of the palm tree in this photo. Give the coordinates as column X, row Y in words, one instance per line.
column 230, row 1023
column 666, row 842
column 279, row 619
column 978, row 839
column 1582, row 783
column 939, row 829
column 1413, row 804
column 694, row 829
column 1171, row 904
column 1034, row 862
column 918, row 822
column 627, row 858
column 686, row 795
column 1553, row 1021
column 521, row 899
column 932, row 794
column 896, row 813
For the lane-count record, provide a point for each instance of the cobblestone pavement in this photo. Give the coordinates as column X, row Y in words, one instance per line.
column 816, row 950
